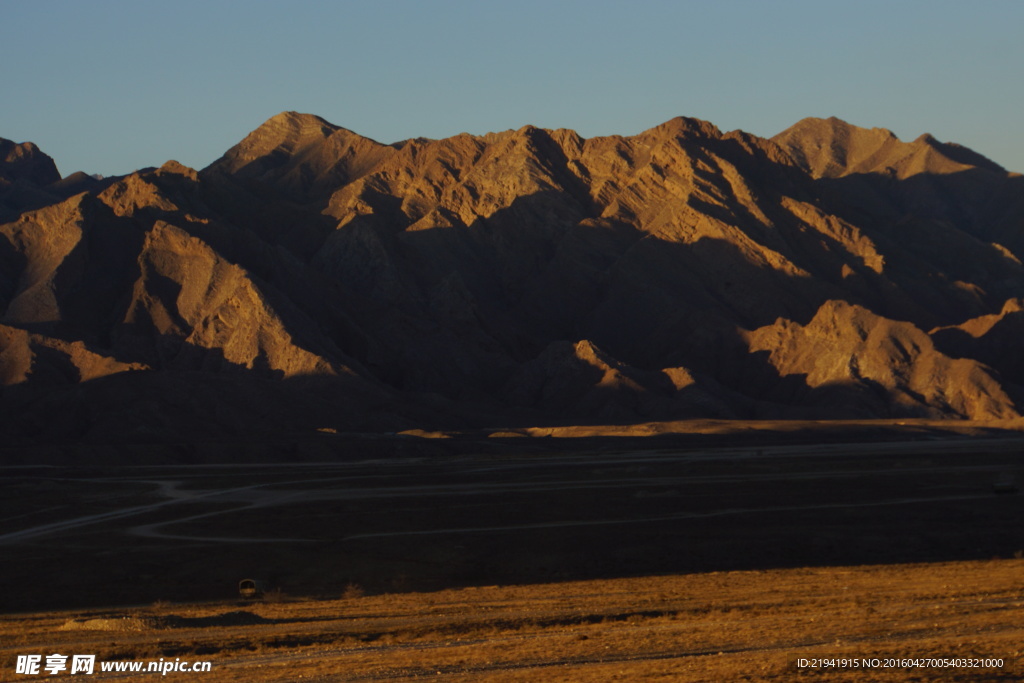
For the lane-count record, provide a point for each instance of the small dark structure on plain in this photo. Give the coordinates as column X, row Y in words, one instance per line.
column 1006, row 483
column 252, row 588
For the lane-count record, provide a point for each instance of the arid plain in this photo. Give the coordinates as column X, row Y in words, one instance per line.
column 512, row 558
column 742, row 626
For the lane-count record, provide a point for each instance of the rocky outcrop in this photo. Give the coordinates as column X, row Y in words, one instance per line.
column 581, row 382
column 25, row 162
column 994, row 340
column 25, row 356
column 847, row 358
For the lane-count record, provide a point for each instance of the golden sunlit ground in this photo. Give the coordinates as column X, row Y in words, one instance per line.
column 720, row 626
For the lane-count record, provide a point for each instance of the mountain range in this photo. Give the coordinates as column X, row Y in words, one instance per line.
column 312, row 278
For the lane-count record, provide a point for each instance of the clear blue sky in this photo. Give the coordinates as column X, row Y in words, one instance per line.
column 108, row 86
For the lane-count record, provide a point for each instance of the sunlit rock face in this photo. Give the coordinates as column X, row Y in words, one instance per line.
column 314, row 278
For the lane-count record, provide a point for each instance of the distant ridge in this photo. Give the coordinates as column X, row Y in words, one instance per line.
column 829, row 148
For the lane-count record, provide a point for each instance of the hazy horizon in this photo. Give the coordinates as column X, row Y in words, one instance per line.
column 118, row 86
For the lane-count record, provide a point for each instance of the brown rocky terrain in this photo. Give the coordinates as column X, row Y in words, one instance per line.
column 848, row 357
column 314, row 278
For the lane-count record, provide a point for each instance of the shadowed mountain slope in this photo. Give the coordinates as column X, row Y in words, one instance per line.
column 451, row 281
column 25, row 162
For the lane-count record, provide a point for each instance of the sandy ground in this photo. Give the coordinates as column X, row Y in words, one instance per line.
column 737, row 626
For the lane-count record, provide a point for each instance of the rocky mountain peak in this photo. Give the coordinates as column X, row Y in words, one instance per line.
column 293, row 121
column 833, row 148
column 25, row 161
column 684, row 126
column 280, row 137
